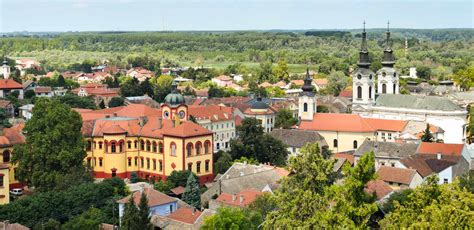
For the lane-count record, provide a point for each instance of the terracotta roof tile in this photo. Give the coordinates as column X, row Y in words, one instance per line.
column 178, row 190
column 380, row 188
column 427, row 164
column 187, row 129
column 10, row 84
column 12, row 135
column 348, row 157
column 386, row 125
column 435, row 148
column 212, row 112
column 337, row 122
column 41, row 89
column 248, row 195
column 397, row 175
column 186, row 215
column 154, row 197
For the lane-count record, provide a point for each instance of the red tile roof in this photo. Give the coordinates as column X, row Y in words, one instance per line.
column 9, row 84
column 427, row 164
column 115, row 129
column 186, row 215
column 346, row 93
column 348, row 157
column 249, row 196
column 41, row 89
column 380, row 188
column 12, row 135
column 435, row 148
column 155, row 197
column 386, row 125
column 212, row 112
column 187, row 129
column 129, row 125
column 337, row 122
column 397, row 175
column 178, row 190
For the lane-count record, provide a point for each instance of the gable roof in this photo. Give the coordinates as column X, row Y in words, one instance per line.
column 186, row 215
column 248, row 195
column 427, row 164
column 435, row 148
column 187, row 129
column 397, row 175
column 9, row 84
column 386, row 125
column 387, row 149
column 337, row 122
column 416, row 102
column 12, row 135
column 212, row 112
column 298, row 138
column 154, row 197
column 379, row 187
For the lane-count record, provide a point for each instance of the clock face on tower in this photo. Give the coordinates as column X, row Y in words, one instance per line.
column 359, row 76
column 181, row 114
column 167, row 114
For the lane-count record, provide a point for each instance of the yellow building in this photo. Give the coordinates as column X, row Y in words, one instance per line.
column 152, row 145
column 4, row 184
column 8, row 138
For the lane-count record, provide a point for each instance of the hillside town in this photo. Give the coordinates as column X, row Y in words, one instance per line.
column 153, row 145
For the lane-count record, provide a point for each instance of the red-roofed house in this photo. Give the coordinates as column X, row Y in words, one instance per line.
column 241, row 199
column 100, row 92
column 399, row 178
column 8, row 86
column 428, row 148
column 159, row 203
column 379, row 188
column 223, row 81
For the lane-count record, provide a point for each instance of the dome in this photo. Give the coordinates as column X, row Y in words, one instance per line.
column 259, row 104
column 174, row 98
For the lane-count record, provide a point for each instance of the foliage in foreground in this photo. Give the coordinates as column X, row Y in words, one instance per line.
column 232, row 218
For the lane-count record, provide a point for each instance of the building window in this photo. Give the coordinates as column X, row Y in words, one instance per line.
column 392, row 164
column 100, row 162
column 129, row 162
column 384, row 88
column 161, row 166
column 382, row 163
column 394, row 88
column 142, row 162
column 207, row 145
column 148, row 163
column 135, row 144
column 206, row 166
column 334, row 143
column 142, row 145
column 89, row 163
column 198, row 167
column 445, row 180
column 148, row 146
column 173, row 149
column 198, row 148
column 171, row 208
column 6, row 156
column 136, row 161
column 389, row 136
column 100, row 144
column 359, row 92
column 217, row 147
column 160, row 145
column 129, row 144
column 1, row 180
column 154, row 165
column 383, row 136
column 89, row 146
column 305, row 107
column 190, row 166
column 154, row 147
column 355, row 145
column 189, row 149
column 112, row 147
column 121, row 146
column 370, row 92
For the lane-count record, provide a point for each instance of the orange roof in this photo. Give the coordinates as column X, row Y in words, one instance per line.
column 265, row 84
column 41, row 89
column 116, row 125
column 297, row 82
column 186, row 215
column 224, row 78
column 280, row 84
column 212, row 112
column 346, row 93
column 154, row 197
column 178, row 190
column 187, row 129
column 397, row 175
column 9, row 84
column 248, row 195
column 12, row 135
column 348, row 157
column 337, row 122
column 114, row 129
column 386, row 125
column 379, row 187
column 435, row 148
column 321, row 81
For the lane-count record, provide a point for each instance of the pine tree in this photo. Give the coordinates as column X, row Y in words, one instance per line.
column 192, row 192
column 102, row 104
column 427, row 136
column 131, row 218
column 144, row 212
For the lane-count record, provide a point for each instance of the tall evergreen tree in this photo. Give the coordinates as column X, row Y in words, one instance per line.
column 144, row 212
column 131, row 217
column 427, row 136
column 192, row 192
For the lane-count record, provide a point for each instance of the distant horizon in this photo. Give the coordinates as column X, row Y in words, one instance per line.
column 230, row 15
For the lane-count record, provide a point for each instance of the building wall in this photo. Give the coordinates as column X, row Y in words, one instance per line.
column 447, row 175
column 387, row 136
column 224, row 131
column 345, row 140
column 13, row 182
column 267, row 121
column 417, row 180
column 5, row 189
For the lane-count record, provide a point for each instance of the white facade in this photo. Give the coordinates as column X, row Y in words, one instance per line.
column 5, row 70
column 223, row 131
column 363, row 87
column 306, row 107
column 387, row 81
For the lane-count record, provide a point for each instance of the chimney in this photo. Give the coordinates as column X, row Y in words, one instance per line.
column 241, row 199
column 234, row 197
column 107, row 116
column 115, row 114
column 438, row 156
column 160, row 122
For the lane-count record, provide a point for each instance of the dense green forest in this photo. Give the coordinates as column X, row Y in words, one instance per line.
column 435, row 52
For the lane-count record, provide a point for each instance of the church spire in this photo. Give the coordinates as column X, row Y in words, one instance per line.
column 308, row 87
column 364, row 52
column 388, row 59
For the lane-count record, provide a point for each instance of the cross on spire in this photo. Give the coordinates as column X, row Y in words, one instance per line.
column 364, row 25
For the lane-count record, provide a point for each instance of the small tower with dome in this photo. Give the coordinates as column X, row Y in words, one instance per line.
column 5, row 68
column 363, row 78
column 388, row 82
column 174, row 105
column 307, row 99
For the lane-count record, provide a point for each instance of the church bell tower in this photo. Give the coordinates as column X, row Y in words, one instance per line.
column 388, row 82
column 363, row 78
column 307, row 99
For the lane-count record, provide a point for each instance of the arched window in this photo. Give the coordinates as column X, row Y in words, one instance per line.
column 359, row 92
column 173, row 149
column 112, row 147
column 189, row 149
column 334, row 143
column 198, row 148
column 384, row 88
column 394, row 88
column 207, row 146
column 89, row 146
column 6, row 156
column 354, row 144
column 142, row 145
column 135, row 144
column 121, row 146
column 106, row 146
column 129, row 144
column 160, row 145
column 100, row 144
column 148, row 146
column 305, row 107
column 154, row 146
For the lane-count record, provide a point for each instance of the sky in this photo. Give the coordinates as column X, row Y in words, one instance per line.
column 157, row 15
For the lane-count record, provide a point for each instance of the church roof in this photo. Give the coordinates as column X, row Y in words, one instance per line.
column 416, row 102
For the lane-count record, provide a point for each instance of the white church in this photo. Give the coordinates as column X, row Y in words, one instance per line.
column 386, row 102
